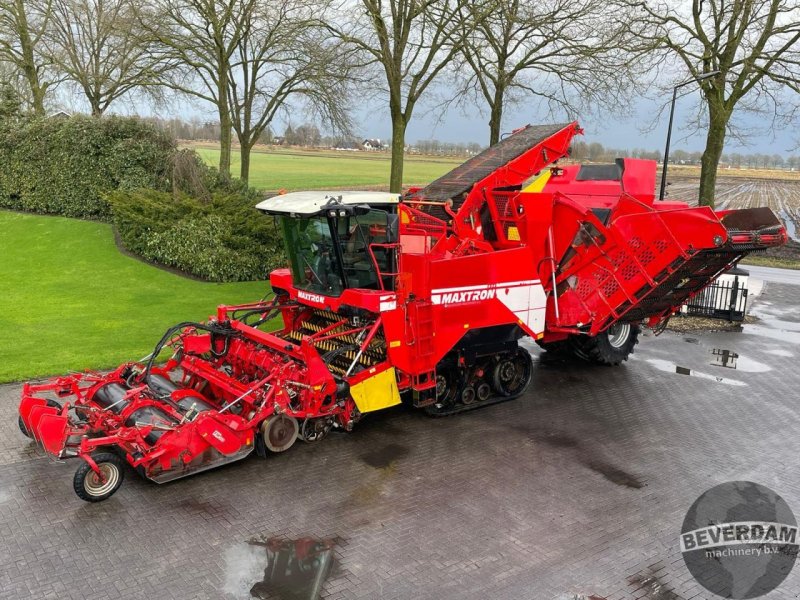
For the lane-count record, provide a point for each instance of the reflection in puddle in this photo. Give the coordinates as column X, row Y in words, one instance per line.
column 732, row 360
column 295, row 569
column 724, row 358
column 670, row 367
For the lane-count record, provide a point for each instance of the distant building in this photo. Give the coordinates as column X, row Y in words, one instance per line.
column 372, row 145
column 60, row 115
column 344, row 145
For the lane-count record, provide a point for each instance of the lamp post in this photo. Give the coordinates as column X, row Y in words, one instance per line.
column 669, row 127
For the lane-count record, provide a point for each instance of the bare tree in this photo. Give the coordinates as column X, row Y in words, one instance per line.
column 284, row 54
column 755, row 46
column 565, row 53
column 98, row 46
column 411, row 41
column 22, row 26
column 203, row 37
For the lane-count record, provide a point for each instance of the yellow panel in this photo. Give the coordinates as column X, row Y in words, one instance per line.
column 377, row 392
column 513, row 234
column 537, row 185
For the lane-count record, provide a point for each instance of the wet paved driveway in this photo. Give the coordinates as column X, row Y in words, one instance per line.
column 578, row 489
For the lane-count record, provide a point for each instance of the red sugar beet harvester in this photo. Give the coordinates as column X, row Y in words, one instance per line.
column 419, row 298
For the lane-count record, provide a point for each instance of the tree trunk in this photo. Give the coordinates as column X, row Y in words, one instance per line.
column 245, row 147
column 398, row 150
column 715, row 141
column 225, row 142
column 37, row 103
column 29, row 62
column 225, row 126
column 496, row 116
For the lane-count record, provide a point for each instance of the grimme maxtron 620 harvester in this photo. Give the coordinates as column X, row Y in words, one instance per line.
column 419, row 298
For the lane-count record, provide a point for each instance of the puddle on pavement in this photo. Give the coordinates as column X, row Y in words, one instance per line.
column 279, row 569
column 587, row 458
column 732, row 360
column 381, row 458
column 779, row 352
column 670, row 367
column 691, row 340
column 615, row 474
column 558, row 440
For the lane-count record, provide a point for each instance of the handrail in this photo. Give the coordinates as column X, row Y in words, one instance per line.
column 378, row 271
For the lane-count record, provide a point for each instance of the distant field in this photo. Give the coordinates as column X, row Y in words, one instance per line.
column 298, row 170
column 774, row 174
column 783, row 197
column 71, row 301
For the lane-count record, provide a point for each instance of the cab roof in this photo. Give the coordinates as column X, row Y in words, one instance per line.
column 307, row 204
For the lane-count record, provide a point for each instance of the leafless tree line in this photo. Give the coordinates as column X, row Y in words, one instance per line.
column 254, row 59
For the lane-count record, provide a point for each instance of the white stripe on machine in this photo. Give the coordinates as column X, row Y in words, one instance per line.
column 526, row 299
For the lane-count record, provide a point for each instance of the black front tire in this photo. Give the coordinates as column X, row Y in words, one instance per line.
column 89, row 487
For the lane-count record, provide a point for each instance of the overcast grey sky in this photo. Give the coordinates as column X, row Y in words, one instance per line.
column 469, row 125
column 612, row 132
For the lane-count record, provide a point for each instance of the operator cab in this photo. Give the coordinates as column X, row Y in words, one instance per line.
column 337, row 240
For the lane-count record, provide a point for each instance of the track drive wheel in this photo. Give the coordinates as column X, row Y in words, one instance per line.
column 90, row 486
column 279, row 432
column 512, row 374
column 610, row 347
column 448, row 384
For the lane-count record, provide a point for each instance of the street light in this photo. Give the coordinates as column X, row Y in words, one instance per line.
column 669, row 127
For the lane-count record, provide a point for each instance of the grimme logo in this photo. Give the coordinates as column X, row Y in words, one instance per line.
column 739, row 540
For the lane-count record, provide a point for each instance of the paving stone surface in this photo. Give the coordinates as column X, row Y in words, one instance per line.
column 576, row 490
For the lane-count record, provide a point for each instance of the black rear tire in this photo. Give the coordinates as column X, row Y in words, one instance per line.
column 611, row 347
column 87, row 484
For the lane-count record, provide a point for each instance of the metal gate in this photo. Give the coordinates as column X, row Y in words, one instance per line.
column 726, row 298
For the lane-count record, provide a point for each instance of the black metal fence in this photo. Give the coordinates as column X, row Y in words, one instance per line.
column 721, row 300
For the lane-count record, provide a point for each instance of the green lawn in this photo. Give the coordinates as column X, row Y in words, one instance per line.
column 278, row 169
column 70, row 300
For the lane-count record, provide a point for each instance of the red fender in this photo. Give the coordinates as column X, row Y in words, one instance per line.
column 52, row 432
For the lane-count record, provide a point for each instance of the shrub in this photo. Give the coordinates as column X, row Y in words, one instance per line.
column 225, row 239
column 65, row 166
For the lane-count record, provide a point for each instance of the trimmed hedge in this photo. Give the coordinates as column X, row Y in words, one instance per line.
column 65, row 166
column 225, row 239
